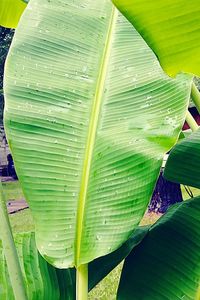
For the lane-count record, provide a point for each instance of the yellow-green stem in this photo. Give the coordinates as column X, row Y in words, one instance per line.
column 198, row 293
column 82, row 282
column 191, row 122
column 195, row 95
column 12, row 260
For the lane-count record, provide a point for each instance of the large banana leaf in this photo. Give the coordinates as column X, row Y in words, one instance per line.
column 42, row 281
column 183, row 164
column 171, row 28
column 89, row 115
column 10, row 12
column 166, row 264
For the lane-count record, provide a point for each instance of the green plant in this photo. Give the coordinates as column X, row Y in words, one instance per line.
column 171, row 29
column 6, row 38
column 10, row 12
column 166, row 264
column 89, row 115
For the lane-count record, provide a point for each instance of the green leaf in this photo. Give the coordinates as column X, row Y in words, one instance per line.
column 10, row 12
column 42, row 281
column 166, row 264
column 184, row 160
column 67, row 283
column 89, row 115
column 171, row 28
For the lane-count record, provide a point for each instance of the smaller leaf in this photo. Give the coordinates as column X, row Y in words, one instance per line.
column 66, row 282
column 171, row 28
column 166, row 264
column 42, row 281
column 184, row 160
column 10, row 12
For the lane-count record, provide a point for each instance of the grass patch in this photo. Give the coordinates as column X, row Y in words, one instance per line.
column 22, row 221
column 107, row 288
column 12, row 190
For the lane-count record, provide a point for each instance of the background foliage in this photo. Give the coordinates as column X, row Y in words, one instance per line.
column 6, row 36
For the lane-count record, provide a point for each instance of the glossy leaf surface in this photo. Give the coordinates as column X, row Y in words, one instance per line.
column 184, row 160
column 166, row 264
column 89, row 114
column 171, row 28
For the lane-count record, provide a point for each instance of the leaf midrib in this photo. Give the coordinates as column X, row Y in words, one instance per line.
column 92, row 129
